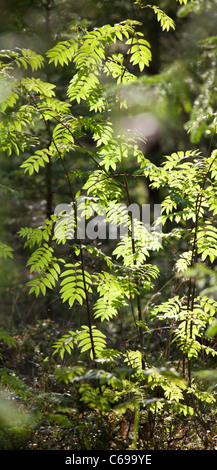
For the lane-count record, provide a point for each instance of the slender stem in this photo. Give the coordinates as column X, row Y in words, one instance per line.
column 82, row 261
column 137, row 283
column 136, row 425
column 48, row 170
column 138, row 300
column 81, row 249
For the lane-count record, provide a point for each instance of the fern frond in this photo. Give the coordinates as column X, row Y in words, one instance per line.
column 45, row 280
column 111, row 298
column 165, row 21
column 134, row 359
column 65, row 344
column 47, row 266
column 37, row 235
column 24, row 57
column 169, row 309
column 144, row 242
column 12, row 136
column 144, row 275
column 91, row 54
column 40, row 259
column 72, row 286
column 82, row 85
column 36, row 85
column 29, row 58
column 63, row 52
column 52, row 108
column 140, row 52
column 103, row 132
column 101, row 186
column 183, row 262
column 114, row 66
column 38, row 160
column 105, row 309
column 65, row 226
column 207, row 241
column 63, row 135
column 85, row 343
column 8, row 91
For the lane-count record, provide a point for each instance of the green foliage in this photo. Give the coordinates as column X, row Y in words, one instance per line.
column 47, row 268
column 63, row 52
column 37, row 235
column 38, row 86
column 5, row 251
column 111, row 296
column 22, row 57
column 184, row 1
column 114, row 288
column 144, row 241
column 165, row 21
column 91, row 341
column 33, row 163
column 87, row 340
column 139, row 51
column 75, row 284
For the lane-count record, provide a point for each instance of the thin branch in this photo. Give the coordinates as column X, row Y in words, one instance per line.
column 81, row 251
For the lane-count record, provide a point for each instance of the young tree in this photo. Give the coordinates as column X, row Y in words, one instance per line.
column 109, row 286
